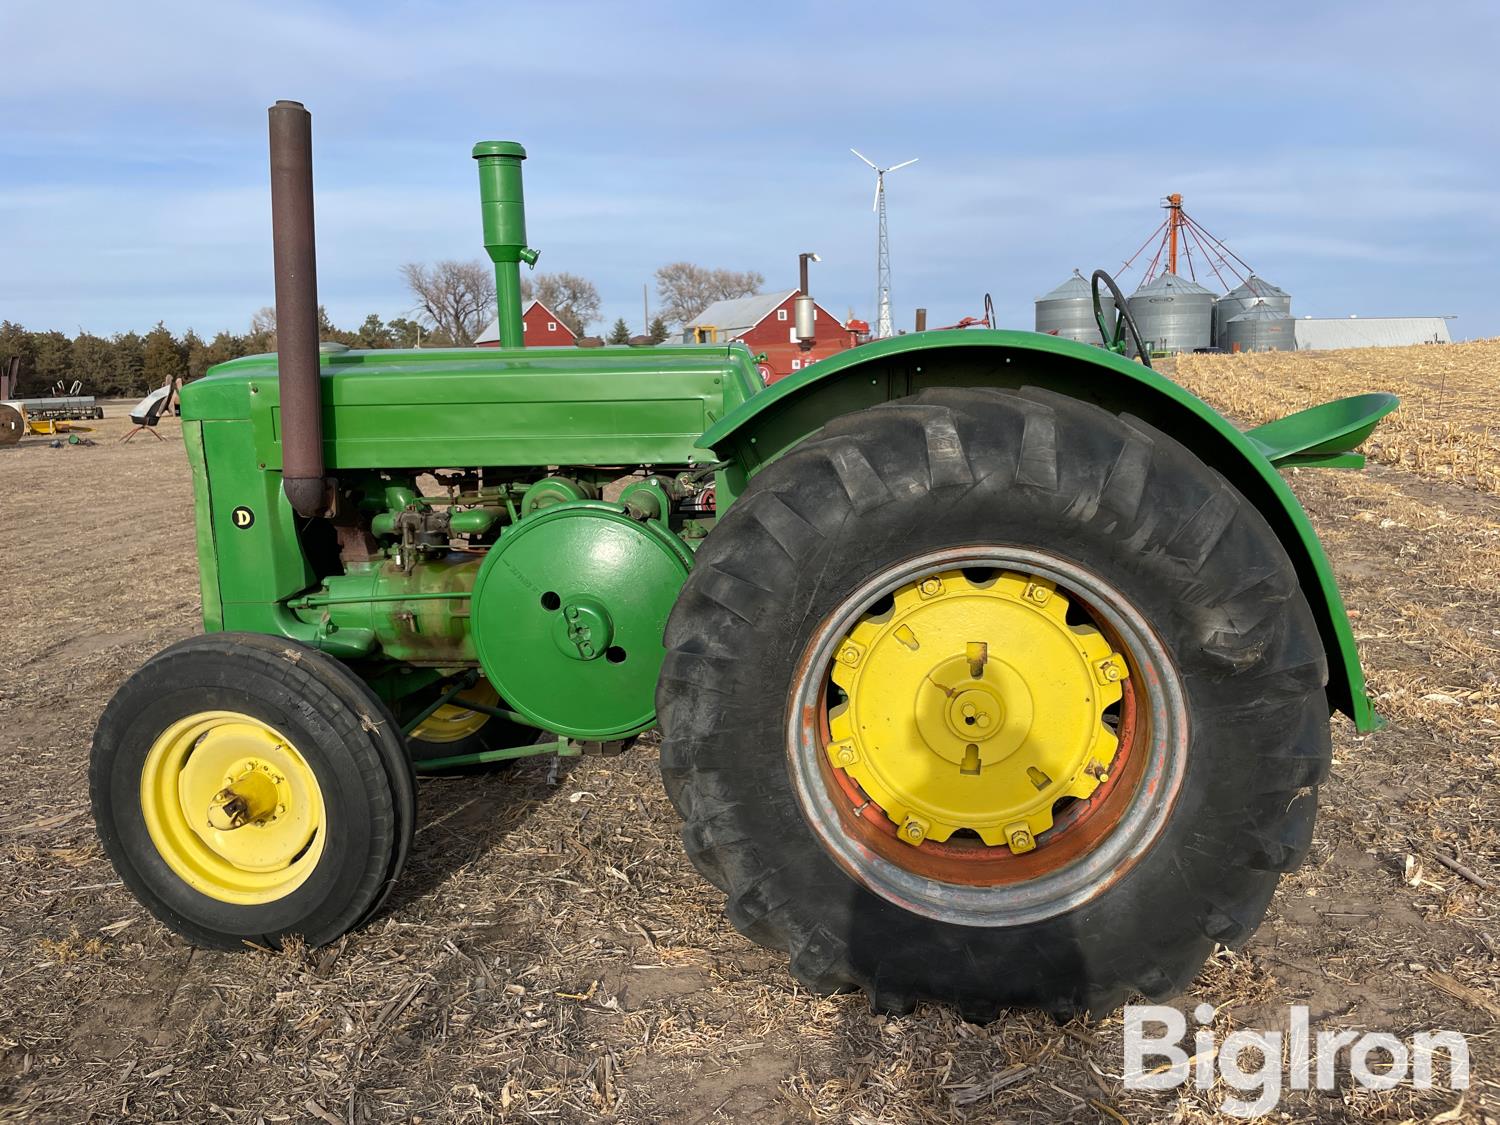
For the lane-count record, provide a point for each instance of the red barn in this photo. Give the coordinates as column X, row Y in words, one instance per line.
column 767, row 323
column 543, row 330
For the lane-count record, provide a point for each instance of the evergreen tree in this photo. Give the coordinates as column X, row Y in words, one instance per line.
column 128, row 364
column 162, row 357
column 224, row 347
column 620, row 333
column 658, row 331
column 374, row 333
column 195, row 353
column 53, row 357
column 16, row 341
column 406, row 333
column 93, row 363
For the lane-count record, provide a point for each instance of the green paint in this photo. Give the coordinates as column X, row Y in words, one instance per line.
column 203, row 525
column 407, row 617
column 569, row 611
column 504, row 209
column 562, row 747
column 1321, row 433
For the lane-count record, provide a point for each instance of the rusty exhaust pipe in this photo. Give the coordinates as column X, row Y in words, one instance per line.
column 297, row 309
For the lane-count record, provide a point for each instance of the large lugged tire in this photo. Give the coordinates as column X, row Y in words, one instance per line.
column 247, row 789
column 1027, row 564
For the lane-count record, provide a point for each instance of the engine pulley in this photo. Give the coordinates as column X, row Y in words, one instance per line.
column 568, row 614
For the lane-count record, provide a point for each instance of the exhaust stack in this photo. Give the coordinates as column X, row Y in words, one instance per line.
column 297, row 309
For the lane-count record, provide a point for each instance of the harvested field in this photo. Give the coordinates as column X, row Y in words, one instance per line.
column 1443, row 432
column 552, row 955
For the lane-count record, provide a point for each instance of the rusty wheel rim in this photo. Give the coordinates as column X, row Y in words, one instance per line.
column 1092, row 842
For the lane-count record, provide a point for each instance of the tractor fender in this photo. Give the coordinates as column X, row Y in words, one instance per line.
column 768, row 424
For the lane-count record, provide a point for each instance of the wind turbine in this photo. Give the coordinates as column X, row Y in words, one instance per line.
column 883, row 325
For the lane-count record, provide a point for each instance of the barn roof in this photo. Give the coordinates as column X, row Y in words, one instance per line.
column 491, row 334
column 737, row 315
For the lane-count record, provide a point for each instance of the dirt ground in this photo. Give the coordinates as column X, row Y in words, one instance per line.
column 551, row 954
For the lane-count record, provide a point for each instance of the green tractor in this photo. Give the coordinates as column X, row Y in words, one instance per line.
column 990, row 668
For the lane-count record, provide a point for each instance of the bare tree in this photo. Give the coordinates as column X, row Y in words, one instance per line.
column 262, row 337
column 457, row 297
column 686, row 290
column 574, row 299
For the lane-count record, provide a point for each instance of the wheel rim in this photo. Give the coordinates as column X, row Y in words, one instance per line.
column 452, row 723
column 232, row 807
column 986, row 735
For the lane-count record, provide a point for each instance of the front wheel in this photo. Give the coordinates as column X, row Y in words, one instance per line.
column 995, row 698
column 247, row 788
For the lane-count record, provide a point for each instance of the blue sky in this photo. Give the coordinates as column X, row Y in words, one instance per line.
column 1349, row 152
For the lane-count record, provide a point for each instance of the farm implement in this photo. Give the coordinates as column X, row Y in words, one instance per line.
column 998, row 671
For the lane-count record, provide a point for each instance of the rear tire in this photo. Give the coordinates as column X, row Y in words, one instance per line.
column 1111, row 500
column 341, row 794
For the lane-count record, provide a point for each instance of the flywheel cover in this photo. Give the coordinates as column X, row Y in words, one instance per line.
column 569, row 609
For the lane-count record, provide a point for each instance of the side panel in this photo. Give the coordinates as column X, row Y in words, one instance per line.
column 770, row 423
column 203, row 524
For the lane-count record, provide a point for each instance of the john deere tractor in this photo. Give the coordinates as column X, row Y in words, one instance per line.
column 990, row 667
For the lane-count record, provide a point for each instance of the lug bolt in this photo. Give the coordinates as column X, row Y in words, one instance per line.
column 846, row 754
column 1021, row 841
column 1110, row 671
column 913, row 831
column 849, row 655
column 931, row 587
column 1038, row 594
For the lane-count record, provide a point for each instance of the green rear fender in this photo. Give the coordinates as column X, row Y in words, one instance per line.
column 770, row 423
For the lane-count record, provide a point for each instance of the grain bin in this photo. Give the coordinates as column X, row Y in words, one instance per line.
column 1068, row 311
column 1260, row 328
column 1173, row 314
column 1242, row 297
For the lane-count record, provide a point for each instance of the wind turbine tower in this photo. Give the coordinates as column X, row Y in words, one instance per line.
column 883, row 324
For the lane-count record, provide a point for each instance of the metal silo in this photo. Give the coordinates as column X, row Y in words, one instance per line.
column 1068, row 311
column 1242, row 297
column 1173, row 314
column 1260, row 328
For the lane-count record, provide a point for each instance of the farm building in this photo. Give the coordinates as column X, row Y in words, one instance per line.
column 1324, row 333
column 766, row 323
column 543, row 329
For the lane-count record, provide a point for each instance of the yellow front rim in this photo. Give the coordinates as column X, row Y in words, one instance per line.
column 974, row 705
column 232, row 807
column 452, row 723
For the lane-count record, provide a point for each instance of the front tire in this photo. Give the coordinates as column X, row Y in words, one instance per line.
column 1179, row 800
column 247, row 789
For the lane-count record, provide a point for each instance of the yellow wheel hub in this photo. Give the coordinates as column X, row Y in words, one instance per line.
column 453, row 723
column 975, row 705
column 232, row 807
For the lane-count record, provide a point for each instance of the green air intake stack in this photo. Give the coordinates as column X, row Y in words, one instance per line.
column 504, row 206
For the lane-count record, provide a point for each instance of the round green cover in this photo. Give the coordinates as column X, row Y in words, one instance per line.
column 587, row 556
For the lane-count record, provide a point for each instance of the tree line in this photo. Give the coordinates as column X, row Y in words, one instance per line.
column 455, row 303
column 128, row 364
